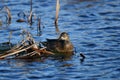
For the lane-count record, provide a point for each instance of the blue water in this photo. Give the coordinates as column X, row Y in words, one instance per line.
column 93, row 27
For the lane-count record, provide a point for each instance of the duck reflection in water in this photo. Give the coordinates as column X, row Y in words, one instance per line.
column 61, row 46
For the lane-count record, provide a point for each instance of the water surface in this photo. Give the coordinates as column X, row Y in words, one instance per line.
column 93, row 27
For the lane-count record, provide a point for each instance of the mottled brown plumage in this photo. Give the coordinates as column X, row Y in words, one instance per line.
column 60, row 45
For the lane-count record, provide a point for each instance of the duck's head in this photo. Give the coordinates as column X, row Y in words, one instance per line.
column 64, row 36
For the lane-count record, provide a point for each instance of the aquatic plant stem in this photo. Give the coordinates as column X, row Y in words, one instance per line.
column 9, row 15
column 56, row 16
column 31, row 13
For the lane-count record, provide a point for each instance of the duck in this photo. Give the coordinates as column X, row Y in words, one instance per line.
column 60, row 46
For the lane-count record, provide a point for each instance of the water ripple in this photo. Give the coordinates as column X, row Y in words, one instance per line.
column 93, row 27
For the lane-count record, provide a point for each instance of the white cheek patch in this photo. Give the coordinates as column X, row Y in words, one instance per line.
column 63, row 38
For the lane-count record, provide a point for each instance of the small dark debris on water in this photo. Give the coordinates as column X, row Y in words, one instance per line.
column 82, row 57
column 20, row 20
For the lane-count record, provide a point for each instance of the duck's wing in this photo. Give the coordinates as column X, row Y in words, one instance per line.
column 44, row 43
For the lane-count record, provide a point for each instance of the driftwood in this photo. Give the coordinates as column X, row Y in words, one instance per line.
column 26, row 48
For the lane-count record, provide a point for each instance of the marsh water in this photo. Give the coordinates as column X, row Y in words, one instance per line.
column 94, row 30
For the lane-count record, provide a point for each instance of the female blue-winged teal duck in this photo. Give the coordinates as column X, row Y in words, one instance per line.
column 59, row 46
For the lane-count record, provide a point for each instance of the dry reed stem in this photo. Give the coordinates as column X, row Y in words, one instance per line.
column 15, row 52
column 57, row 11
column 9, row 15
column 39, row 31
column 0, row 23
column 31, row 13
column 26, row 44
column 30, row 5
column 30, row 18
column 56, row 16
